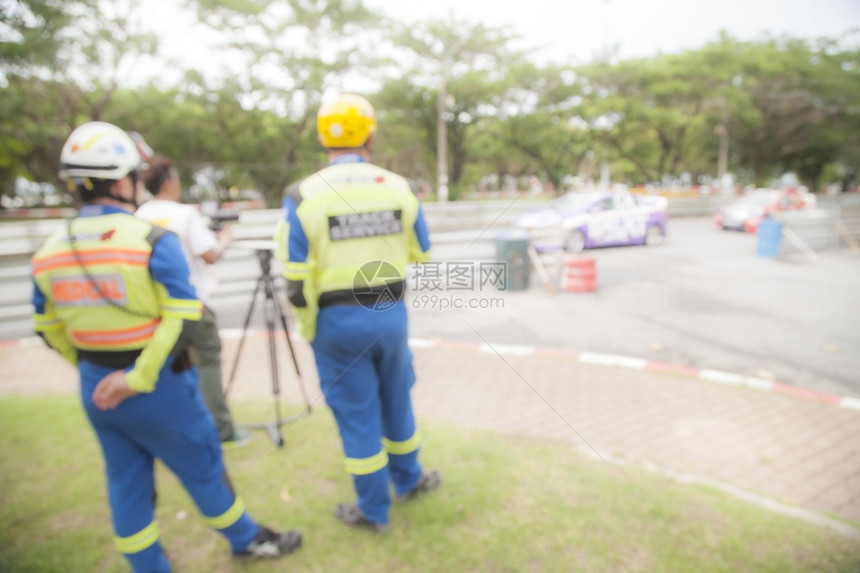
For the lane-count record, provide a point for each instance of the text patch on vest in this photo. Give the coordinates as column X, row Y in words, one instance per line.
column 363, row 225
column 81, row 291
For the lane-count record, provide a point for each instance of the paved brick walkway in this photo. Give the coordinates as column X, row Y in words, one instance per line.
column 799, row 452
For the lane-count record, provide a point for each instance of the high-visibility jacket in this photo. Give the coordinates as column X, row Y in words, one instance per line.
column 348, row 228
column 97, row 299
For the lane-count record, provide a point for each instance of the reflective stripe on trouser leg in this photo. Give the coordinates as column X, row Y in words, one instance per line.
column 213, row 495
column 130, row 478
column 139, row 541
column 177, row 428
column 403, row 463
column 143, row 551
column 370, row 479
column 364, row 466
column 404, row 447
column 229, row 517
column 347, row 345
column 396, row 378
column 236, row 525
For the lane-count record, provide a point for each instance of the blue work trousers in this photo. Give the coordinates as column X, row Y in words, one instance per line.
column 171, row 424
column 365, row 369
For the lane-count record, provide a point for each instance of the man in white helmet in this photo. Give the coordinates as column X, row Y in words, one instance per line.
column 112, row 296
column 349, row 233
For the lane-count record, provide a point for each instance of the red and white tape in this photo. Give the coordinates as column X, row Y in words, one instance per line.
column 645, row 365
column 596, row 358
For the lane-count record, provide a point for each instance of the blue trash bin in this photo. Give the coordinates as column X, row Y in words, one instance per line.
column 769, row 238
column 512, row 250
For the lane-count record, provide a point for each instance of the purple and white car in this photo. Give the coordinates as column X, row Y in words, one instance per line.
column 586, row 219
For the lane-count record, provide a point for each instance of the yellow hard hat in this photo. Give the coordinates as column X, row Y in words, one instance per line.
column 346, row 122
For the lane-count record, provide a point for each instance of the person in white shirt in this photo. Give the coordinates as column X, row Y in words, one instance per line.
column 202, row 248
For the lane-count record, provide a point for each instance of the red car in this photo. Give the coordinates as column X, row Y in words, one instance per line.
column 745, row 213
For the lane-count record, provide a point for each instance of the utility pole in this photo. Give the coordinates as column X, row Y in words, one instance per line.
column 723, row 160
column 442, row 132
column 607, row 47
column 725, row 178
column 441, row 117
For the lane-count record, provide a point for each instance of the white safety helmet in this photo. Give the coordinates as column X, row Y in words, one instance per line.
column 146, row 152
column 99, row 150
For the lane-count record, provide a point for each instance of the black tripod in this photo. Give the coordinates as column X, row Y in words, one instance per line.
column 271, row 306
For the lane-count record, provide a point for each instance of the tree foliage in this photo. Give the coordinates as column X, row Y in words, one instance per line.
column 59, row 66
column 761, row 107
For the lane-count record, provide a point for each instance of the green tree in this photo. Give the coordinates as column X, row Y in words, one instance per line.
column 542, row 129
column 292, row 53
column 405, row 143
column 467, row 66
column 60, row 67
column 804, row 96
column 648, row 109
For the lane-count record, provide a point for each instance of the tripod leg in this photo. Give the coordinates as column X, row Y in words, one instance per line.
column 283, row 318
column 270, row 303
column 273, row 364
column 242, row 339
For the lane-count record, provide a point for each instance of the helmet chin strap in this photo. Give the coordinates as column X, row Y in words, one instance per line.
column 133, row 201
column 133, row 177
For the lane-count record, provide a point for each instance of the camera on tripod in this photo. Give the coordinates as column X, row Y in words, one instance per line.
column 272, row 309
column 219, row 218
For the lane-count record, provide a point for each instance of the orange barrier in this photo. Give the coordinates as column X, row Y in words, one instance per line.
column 578, row 274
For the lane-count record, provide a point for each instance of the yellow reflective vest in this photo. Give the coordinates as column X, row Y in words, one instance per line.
column 352, row 214
column 101, row 298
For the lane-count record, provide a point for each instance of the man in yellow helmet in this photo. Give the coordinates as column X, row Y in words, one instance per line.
column 112, row 296
column 349, row 232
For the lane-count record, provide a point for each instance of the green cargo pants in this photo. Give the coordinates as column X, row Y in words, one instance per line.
column 207, row 344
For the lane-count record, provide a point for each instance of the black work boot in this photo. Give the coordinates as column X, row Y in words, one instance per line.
column 426, row 483
column 350, row 514
column 271, row 544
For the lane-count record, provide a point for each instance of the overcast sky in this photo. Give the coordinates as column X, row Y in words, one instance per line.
column 577, row 29
column 565, row 31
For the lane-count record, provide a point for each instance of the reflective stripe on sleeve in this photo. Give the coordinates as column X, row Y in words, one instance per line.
column 44, row 323
column 139, row 541
column 296, row 271
column 188, row 309
column 364, row 466
column 404, row 447
column 229, row 517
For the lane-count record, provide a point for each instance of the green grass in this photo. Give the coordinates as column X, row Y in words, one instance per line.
column 506, row 504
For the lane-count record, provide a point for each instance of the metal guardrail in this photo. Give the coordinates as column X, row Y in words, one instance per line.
column 848, row 227
column 696, row 206
column 455, row 224
column 807, row 230
column 24, row 237
column 451, row 224
column 819, row 229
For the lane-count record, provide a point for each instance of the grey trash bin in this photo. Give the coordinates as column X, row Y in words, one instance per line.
column 512, row 249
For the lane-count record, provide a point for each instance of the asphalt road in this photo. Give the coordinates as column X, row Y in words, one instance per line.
column 703, row 299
